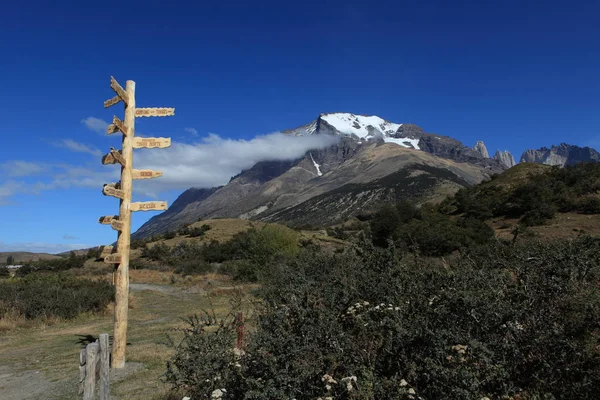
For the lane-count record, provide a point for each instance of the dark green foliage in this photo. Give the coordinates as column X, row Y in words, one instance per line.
column 169, row 235
column 251, row 252
column 426, row 231
column 55, row 265
column 503, row 320
column 4, row 272
column 138, row 243
column 198, row 231
column 534, row 201
column 40, row 295
column 338, row 233
column 10, row 260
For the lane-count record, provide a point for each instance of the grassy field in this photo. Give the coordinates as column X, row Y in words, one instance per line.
column 42, row 361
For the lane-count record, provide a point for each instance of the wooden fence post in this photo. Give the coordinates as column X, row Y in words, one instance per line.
column 82, row 359
column 91, row 364
column 104, row 367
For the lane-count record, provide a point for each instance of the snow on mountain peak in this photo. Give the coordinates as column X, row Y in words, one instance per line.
column 362, row 126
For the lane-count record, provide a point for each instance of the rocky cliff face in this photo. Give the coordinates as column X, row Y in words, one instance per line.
column 369, row 149
column 563, row 154
column 481, row 149
column 505, row 158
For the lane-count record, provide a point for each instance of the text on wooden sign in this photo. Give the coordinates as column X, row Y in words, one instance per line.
column 151, row 143
column 149, row 206
column 154, row 112
column 145, row 174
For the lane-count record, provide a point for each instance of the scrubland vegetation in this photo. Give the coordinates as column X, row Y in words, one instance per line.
column 412, row 302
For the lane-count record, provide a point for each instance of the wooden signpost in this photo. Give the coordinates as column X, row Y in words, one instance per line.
column 122, row 222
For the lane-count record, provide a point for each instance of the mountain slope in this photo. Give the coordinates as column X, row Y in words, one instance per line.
column 368, row 149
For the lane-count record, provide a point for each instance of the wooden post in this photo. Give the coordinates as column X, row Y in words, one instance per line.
column 122, row 273
column 82, row 359
column 124, row 157
column 91, row 362
column 104, row 367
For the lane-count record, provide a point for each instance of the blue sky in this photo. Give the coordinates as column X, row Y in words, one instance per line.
column 517, row 75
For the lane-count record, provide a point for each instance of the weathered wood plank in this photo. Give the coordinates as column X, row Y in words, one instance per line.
column 107, row 219
column 155, row 112
column 110, row 189
column 149, row 206
column 82, row 357
column 106, row 251
column 114, row 258
column 112, row 102
column 119, row 90
column 104, row 367
column 145, row 174
column 117, row 125
column 151, row 143
column 91, row 363
column 117, row 225
column 118, row 156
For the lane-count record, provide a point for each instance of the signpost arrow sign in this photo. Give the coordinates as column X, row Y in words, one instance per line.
column 107, row 250
column 149, row 206
column 151, row 143
column 154, row 112
column 113, row 157
column 114, row 258
column 117, row 225
column 117, row 125
column 111, row 190
column 145, row 174
column 121, row 93
column 107, row 219
column 112, row 102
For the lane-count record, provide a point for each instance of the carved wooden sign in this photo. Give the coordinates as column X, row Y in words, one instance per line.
column 117, row 225
column 154, row 112
column 149, row 206
column 112, row 102
column 107, row 250
column 145, row 174
column 113, row 157
column 110, row 189
column 117, row 125
column 107, row 219
column 114, row 258
column 121, row 93
column 151, row 143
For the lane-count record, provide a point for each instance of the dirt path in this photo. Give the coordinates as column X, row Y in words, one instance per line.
column 41, row 362
column 138, row 287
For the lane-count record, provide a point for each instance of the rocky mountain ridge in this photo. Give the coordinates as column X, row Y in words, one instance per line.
column 374, row 161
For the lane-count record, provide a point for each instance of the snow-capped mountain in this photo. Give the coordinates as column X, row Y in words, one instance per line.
column 362, row 127
column 373, row 162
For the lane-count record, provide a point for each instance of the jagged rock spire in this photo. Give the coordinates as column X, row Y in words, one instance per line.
column 505, row 158
column 481, row 149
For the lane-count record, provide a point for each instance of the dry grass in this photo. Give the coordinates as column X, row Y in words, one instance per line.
column 52, row 347
column 563, row 226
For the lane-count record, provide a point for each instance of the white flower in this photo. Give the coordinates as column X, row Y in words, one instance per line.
column 411, row 391
column 186, row 398
column 396, row 308
column 328, row 379
column 217, row 393
column 328, row 387
column 403, row 383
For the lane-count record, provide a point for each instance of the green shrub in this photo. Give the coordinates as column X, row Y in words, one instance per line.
column 40, row 295
column 4, row 272
column 504, row 320
column 198, row 231
column 169, row 235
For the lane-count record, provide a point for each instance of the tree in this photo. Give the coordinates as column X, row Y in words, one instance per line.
column 10, row 260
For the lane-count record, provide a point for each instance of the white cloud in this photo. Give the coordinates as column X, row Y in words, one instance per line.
column 79, row 147
column 41, row 247
column 214, row 160
column 70, row 237
column 18, row 168
column 95, row 124
column 192, row 131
